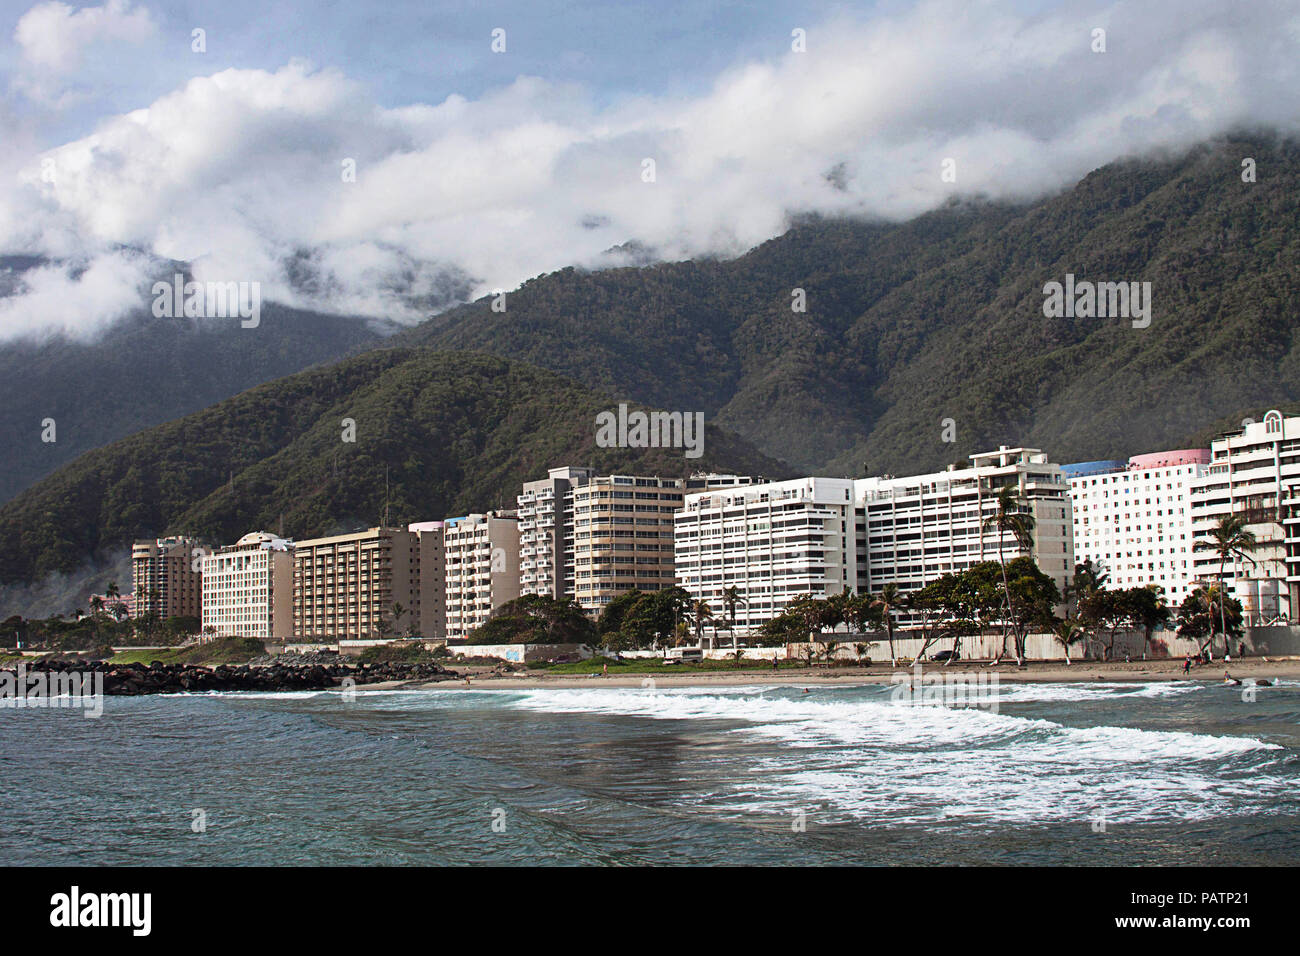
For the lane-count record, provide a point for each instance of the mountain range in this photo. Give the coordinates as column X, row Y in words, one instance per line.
column 433, row 434
column 910, row 333
column 142, row 371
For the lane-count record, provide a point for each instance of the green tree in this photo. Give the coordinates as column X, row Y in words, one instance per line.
column 1035, row 595
column 1010, row 517
column 1230, row 540
column 1145, row 609
column 538, row 619
column 1205, row 608
column 700, row 614
column 731, row 599
column 1068, row 632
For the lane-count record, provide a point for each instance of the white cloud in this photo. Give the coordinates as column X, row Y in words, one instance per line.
column 57, row 42
column 241, row 171
column 78, row 300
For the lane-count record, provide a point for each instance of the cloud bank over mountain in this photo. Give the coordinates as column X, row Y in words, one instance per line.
column 248, row 173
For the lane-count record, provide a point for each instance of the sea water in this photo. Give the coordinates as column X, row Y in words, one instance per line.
column 1088, row 773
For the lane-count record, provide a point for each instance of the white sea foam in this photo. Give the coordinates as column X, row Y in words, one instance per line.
column 868, row 758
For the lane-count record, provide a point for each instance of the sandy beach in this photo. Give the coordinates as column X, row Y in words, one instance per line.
column 1054, row 672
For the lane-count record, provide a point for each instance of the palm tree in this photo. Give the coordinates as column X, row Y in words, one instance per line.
column 96, row 612
column 1068, row 632
column 828, row 649
column 1209, row 598
column 887, row 600
column 730, row 599
column 700, row 614
column 114, row 604
column 1228, row 539
column 1010, row 518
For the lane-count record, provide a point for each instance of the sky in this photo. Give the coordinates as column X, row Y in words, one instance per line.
column 391, row 159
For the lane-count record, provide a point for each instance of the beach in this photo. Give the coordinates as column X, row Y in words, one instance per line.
column 1252, row 668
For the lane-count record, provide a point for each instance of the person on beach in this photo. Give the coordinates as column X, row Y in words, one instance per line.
column 604, row 670
column 1187, row 664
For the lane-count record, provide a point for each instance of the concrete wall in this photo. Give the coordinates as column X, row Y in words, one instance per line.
column 519, row 653
column 1274, row 641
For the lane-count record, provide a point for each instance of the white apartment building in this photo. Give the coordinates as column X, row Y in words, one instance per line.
column 545, row 507
column 248, row 588
column 1133, row 519
column 773, row 542
column 924, row 526
column 1251, row 472
column 481, row 557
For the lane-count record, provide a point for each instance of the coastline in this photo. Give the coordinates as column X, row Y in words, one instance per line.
column 1046, row 673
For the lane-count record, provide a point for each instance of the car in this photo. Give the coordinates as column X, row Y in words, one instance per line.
column 946, row 655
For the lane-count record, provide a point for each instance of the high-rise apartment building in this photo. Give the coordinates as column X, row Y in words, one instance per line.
column 1251, row 473
column 1133, row 519
column 776, row 542
column 358, row 586
column 772, row 542
column 433, row 584
column 924, row 526
column 248, row 588
column 620, row 537
column 167, row 577
column 592, row 537
column 481, row 555
column 544, row 509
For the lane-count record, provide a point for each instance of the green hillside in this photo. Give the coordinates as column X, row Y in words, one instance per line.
column 451, row 432
column 142, row 371
column 941, row 317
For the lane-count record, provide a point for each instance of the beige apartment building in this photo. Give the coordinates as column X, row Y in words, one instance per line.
column 362, row 585
column 481, row 558
column 433, row 585
column 167, row 578
column 248, row 588
column 618, row 534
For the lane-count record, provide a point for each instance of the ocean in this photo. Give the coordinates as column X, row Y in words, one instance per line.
column 1131, row 774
